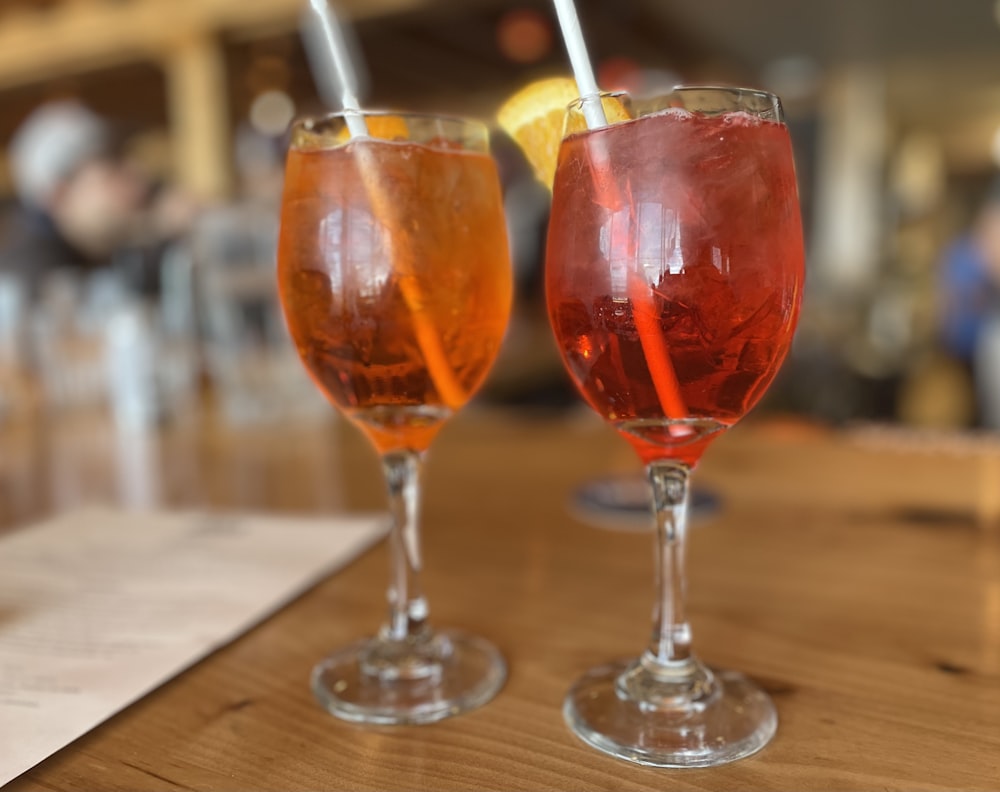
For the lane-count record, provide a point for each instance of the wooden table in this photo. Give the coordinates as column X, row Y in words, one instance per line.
column 858, row 582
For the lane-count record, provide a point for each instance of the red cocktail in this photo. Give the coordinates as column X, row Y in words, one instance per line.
column 674, row 274
column 698, row 229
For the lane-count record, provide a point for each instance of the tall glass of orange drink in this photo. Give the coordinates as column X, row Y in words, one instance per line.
column 396, row 284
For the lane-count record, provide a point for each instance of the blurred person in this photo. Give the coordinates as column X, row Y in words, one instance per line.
column 86, row 250
column 970, row 280
column 79, row 203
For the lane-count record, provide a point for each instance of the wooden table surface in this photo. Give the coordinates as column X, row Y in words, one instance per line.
column 856, row 577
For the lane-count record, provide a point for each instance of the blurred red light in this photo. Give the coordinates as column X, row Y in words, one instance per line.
column 620, row 73
column 524, row 35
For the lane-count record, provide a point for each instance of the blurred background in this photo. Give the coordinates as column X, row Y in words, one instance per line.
column 156, row 278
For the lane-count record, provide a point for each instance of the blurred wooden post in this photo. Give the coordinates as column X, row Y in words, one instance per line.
column 988, row 500
column 199, row 109
column 849, row 227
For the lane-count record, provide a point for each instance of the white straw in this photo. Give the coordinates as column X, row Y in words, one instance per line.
column 593, row 110
column 334, row 60
column 623, row 254
column 344, row 72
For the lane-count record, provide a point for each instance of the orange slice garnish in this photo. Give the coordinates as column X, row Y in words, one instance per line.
column 535, row 117
column 380, row 127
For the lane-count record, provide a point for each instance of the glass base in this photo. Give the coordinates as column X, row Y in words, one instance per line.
column 389, row 683
column 621, row 503
column 729, row 717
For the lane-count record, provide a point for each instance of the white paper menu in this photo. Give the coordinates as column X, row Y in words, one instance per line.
column 98, row 607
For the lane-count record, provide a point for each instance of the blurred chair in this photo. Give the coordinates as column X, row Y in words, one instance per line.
column 94, row 343
column 15, row 390
column 247, row 352
column 67, row 341
column 987, row 368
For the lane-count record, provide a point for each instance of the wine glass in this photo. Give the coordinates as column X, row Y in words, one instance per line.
column 674, row 273
column 396, row 285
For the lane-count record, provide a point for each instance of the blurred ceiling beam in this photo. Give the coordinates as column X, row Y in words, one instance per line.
column 91, row 34
column 183, row 37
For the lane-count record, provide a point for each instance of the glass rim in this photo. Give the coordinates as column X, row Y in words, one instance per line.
column 733, row 90
column 577, row 104
column 309, row 120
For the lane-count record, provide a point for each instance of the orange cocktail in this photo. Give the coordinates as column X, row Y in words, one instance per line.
column 396, row 284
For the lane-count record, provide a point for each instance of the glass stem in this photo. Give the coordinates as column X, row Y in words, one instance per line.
column 407, row 606
column 670, row 646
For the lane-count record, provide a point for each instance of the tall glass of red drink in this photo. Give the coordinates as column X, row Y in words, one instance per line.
column 674, row 273
column 396, row 284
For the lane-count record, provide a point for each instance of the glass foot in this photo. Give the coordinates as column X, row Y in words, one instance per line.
column 622, row 503
column 729, row 719
column 379, row 682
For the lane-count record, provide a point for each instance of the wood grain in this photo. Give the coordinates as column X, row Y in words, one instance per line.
column 855, row 582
